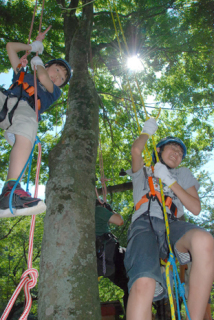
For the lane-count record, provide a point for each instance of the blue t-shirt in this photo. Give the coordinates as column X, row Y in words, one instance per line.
column 47, row 98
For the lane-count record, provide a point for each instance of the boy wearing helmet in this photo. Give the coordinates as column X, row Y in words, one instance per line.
column 18, row 119
column 147, row 234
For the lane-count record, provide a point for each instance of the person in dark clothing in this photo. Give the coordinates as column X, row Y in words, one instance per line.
column 110, row 255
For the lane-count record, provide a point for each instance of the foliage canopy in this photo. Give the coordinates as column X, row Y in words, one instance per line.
column 174, row 41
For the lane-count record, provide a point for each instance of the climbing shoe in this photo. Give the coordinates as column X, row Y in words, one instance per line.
column 22, row 203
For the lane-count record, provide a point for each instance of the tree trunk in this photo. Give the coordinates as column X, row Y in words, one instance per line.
column 68, row 286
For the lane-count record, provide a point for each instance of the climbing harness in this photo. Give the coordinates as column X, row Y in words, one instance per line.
column 7, row 111
column 30, row 90
column 6, row 114
column 106, row 245
column 155, row 195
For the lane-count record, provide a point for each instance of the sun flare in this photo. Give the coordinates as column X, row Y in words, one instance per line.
column 134, row 63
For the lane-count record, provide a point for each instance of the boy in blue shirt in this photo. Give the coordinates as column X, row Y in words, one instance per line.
column 18, row 119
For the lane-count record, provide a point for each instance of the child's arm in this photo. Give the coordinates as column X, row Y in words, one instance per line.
column 12, row 49
column 188, row 197
column 149, row 128
column 137, row 149
column 116, row 219
column 42, row 73
column 44, row 78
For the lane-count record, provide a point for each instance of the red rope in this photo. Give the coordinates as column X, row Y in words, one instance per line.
column 29, row 277
column 40, row 37
column 23, row 59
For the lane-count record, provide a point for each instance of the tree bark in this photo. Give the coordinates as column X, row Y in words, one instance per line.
column 68, row 286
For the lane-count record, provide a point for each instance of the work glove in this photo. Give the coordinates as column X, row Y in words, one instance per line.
column 37, row 46
column 36, row 61
column 150, row 127
column 161, row 171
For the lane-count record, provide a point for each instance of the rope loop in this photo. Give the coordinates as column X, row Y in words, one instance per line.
column 33, row 273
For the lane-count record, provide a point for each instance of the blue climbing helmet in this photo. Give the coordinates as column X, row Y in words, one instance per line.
column 63, row 63
column 166, row 141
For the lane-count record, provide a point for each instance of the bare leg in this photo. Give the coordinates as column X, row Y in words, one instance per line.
column 22, row 202
column 18, row 156
column 208, row 315
column 201, row 246
column 140, row 299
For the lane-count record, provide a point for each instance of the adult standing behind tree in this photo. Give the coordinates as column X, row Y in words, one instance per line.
column 110, row 256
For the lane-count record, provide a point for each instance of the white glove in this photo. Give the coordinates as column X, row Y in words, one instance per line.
column 37, row 46
column 150, row 127
column 161, row 171
column 36, row 61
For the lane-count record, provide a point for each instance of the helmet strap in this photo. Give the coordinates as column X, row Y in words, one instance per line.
column 161, row 160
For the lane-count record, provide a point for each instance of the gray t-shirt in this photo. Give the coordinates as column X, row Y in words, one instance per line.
column 183, row 177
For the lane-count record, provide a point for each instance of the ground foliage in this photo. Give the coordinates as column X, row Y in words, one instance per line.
column 174, row 40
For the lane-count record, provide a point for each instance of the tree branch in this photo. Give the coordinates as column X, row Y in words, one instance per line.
column 6, row 235
column 117, row 188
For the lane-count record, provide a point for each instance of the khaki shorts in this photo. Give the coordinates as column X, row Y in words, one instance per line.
column 24, row 121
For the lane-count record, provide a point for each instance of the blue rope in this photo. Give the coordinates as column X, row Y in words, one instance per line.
column 30, row 163
column 180, row 289
column 17, row 181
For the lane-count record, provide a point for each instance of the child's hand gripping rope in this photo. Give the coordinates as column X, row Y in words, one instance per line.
column 161, row 171
column 150, row 127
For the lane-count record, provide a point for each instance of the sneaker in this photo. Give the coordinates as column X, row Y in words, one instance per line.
column 23, row 204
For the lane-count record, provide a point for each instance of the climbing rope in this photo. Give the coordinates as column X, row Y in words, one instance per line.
column 147, row 158
column 29, row 277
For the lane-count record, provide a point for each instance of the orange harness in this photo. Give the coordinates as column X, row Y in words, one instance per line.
column 27, row 88
column 153, row 194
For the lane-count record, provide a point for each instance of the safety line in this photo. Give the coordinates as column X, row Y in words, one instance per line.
column 29, row 277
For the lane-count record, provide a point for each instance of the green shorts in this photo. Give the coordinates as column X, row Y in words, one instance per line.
column 147, row 244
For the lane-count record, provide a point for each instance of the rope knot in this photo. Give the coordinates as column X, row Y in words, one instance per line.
column 32, row 275
column 103, row 180
column 181, row 289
